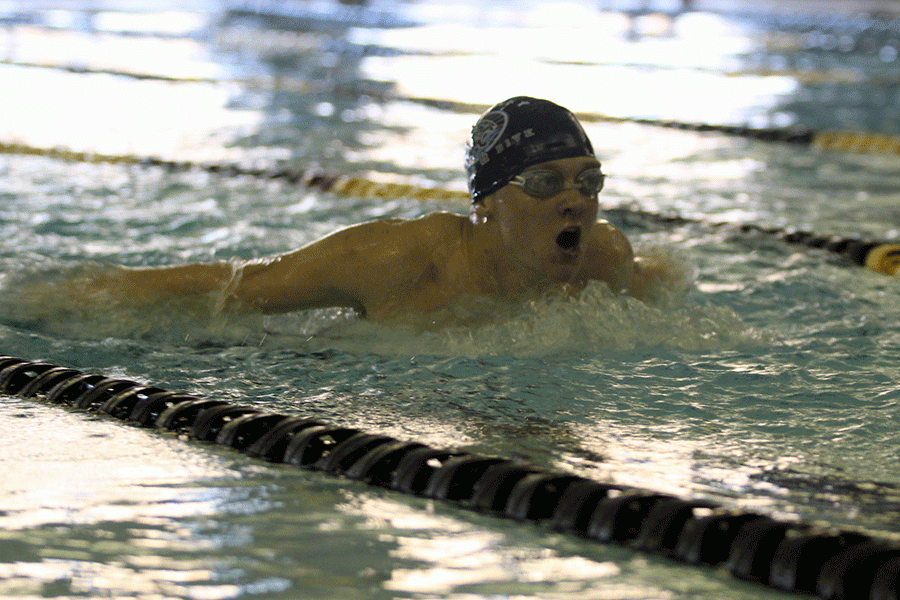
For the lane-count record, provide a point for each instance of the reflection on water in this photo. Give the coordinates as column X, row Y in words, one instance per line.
column 62, row 480
column 91, row 504
column 474, row 560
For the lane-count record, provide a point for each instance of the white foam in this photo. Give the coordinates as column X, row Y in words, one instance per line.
column 595, row 320
column 591, row 321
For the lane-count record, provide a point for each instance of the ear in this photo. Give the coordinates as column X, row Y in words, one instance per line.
column 483, row 210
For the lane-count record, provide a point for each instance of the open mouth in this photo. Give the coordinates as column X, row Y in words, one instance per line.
column 569, row 238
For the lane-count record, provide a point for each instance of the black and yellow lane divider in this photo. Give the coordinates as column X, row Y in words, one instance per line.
column 85, row 70
column 272, row 83
column 880, row 256
column 357, row 187
column 833, row 140
column 827, row 140
column 787, row 555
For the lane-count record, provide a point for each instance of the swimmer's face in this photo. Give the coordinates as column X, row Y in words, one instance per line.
column 548, row 235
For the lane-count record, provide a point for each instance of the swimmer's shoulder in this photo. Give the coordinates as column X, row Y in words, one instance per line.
column 442, row 221
column 428, row 223
column 609, row 257
column 404, row 241
column 427, row 228
column 609, row 240
column 412, row 266
column 432, row 229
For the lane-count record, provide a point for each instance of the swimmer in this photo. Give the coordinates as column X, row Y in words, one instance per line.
column 532, row 228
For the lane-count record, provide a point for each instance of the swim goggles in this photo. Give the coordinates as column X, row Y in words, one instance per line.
column 543, row 184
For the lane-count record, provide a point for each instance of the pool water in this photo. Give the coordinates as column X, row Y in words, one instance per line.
column 765, row 378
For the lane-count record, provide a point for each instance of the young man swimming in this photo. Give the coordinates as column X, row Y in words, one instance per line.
column 532, row 227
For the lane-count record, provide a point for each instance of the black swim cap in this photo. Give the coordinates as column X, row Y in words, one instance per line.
column 516, row 134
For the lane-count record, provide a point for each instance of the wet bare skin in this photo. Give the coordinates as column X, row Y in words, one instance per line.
column 509, row 245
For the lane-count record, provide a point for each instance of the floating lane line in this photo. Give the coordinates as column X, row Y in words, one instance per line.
column 788, row 555
column 825, row 140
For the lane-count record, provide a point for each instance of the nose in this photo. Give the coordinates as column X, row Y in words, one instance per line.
column 572, row 203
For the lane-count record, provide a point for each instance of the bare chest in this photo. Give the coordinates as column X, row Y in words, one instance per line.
column 439, row 282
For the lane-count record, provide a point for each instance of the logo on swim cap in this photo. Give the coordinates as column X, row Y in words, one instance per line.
column 485, row 135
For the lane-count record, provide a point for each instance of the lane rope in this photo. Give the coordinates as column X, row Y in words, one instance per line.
column 356, row 187
column 823, row 140
column 787, row 555
column 880, row 256
column 810, row 76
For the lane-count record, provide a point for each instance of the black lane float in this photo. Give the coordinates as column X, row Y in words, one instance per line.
column 790, row 556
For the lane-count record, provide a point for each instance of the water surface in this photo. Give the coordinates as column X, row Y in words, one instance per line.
column 766, row 381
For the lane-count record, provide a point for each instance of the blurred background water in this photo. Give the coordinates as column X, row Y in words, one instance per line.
column 769, row 384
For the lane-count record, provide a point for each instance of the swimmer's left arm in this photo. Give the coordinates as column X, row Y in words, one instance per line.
column 647, row 276
column 610, row 258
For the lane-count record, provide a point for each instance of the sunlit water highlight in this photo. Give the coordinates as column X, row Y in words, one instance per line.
column 765, row 378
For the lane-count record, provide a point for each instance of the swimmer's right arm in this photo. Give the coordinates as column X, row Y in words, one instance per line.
column 348, row 268
column 151, row 284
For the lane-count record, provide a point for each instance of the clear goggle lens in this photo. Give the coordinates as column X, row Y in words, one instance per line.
column 543, row 184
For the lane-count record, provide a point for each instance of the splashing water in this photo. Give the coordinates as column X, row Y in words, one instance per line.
column 76, row 301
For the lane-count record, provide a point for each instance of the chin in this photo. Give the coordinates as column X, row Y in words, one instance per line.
column 563, row 272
